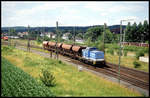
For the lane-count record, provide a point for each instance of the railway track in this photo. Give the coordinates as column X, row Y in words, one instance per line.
column 132, row 76
column 139, row 80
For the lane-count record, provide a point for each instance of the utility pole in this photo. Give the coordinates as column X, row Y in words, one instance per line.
column 10, row 35
column 50, row 51
column 57, row 39
column 43, row 33
column 120, row 51
column 104, row 38
column 74, row 34
column 28, row 45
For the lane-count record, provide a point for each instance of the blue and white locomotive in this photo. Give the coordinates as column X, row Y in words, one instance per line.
column 91, row 54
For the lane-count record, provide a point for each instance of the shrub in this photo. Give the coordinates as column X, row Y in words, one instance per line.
column 60, row 62
column 7, row 50
column 39, row 40
column 30, row 62
column 118, row 52
column 111, row 51
column 136, row 64
column 139, row 53
column 47, row 78
column 125, row 53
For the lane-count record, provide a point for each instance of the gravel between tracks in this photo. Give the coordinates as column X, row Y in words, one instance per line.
column 67, row 60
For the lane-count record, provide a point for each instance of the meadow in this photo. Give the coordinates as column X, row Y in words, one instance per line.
column 17, row 83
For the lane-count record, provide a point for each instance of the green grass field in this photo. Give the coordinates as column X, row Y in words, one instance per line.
column 127, row 61
column 69, row 81
column 17, row 83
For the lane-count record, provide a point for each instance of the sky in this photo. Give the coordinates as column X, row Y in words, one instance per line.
column 73, row 13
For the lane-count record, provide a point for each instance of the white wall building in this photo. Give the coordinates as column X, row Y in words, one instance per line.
column 65, row 36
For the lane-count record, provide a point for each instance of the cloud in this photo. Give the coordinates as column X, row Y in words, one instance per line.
column 107, row 8
column 70, row 13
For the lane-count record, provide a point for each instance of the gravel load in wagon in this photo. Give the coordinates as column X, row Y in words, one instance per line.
column 65, row 46
column 51, row 43
column 45, row 42
column 59, row 45
column 78, row 49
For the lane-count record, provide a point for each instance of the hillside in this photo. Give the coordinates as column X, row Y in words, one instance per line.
column 62, row 28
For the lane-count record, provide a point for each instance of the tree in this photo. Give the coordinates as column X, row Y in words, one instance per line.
column 115, row 38
column 108, row 36
column 146, row 30
column 134, row 32
column 80, row 35
column 46, row 38
column 12, row 32
column 93, row 33
column 140, row 32
column 128, row 33
column 70, row 36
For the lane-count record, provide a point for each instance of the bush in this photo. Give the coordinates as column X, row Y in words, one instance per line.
column 139, row 53
column 125, row 53
column 118, row 52
column 60, row 62
column 111, row 51
column 39, row 40
column 30, row 62
column 7, row 50
column 136, row 64
column 47, row 78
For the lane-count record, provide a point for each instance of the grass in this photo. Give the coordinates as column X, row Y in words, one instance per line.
column 127, row 48
column 69, row 81
column 17, row 83
column 127, row 61
column 24, row 41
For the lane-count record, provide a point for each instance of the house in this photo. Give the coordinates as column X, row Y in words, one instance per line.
column 41, row 34
column 54, row 36
column 65, row 36
column 25, row 33
column 79, row 41
column 21, row 34
column 48, row 34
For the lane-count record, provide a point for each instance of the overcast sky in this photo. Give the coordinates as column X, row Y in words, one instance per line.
column 73, row 13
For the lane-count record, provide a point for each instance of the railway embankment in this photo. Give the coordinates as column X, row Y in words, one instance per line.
column 71, row 82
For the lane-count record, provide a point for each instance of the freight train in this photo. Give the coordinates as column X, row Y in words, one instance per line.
column 5, row 38
column 85, row 54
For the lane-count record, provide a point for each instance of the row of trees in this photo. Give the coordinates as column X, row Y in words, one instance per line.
column 137, row 33
column 133, row 33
